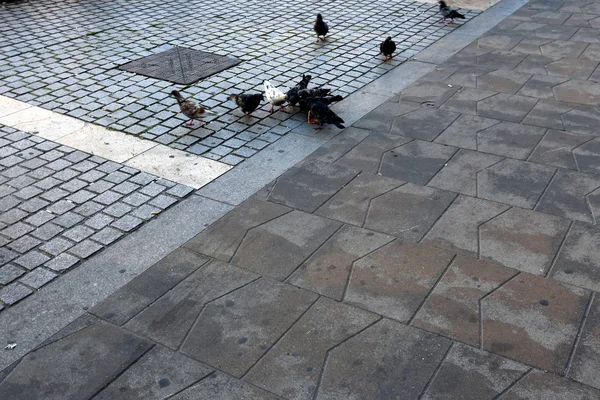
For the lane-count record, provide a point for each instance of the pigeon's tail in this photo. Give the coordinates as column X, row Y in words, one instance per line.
column 339, row 125
column 337, row 98
column 209, row 112
column 456, row 14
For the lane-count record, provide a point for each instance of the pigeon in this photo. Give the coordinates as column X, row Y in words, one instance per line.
column 320, row 113
column 248, row 102
column 321, row 28
column 293, row 92
column 305, row 104
column 314, row 92
column 274, row 96
column 387, row 48
column 447, row 12
column 190, row 109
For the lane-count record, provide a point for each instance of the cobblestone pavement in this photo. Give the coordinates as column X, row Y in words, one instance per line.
column 59, row 206
column 63, row 56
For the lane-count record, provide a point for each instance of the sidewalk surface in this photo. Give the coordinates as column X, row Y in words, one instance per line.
column 444, row 246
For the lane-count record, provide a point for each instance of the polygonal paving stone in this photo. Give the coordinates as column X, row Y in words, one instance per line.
column 579, row 92
column 467, row 76
column 366, row 156
column 500, row 59
column 582, row 120
column 566, row 195
column 586, row 361
column 425, row 123
column 458, row 228
column 522, row 239
column 465, row 101
column 452, row 309
column 563, row 49
column 556, row 147
column 146, row 288
column 428, row 92
column 394, row 280
column 219, row 386
column 417, row 161
column 350, row 204
column 533, row 320
column 540, row 86
column 278, row 247
column 168, row 320
column 577, row 263
column 310, row 185
column 502, row 81
column 468, row 373
column 157, row 375
column 460, row 173
column 335, row 148
column 380, row 119
column 557, row 32
column 539, row 385
column 509, row 139
column 463, row 132
column 548, row 114
column 568, row 68
column 326, row 272
column 233, row 332
column 530, row 45
column 514, row 182
column 408, row 211
column 505, row 107
column 588, row 156
column 388, row 360
column 499, row 42
column 66, row 364
column 293, row 366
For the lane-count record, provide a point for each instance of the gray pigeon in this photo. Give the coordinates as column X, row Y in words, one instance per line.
column 447, row 12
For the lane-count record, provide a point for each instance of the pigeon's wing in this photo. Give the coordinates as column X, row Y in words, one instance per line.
column 381, row 48
column 445, row 11
column 392, row 47
column 270, row 91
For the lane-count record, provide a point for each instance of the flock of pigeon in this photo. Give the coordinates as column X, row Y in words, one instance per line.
column 315, row 101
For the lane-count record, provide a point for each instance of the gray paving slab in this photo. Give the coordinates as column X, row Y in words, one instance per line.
column 220, row 386
column 587, row 156
column 464, row 131
column 587, row 355
column 557, row 148
column 425, row 123
column 540, row 385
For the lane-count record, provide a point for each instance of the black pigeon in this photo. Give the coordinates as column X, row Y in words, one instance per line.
column 248, row 102
column 447, row 12
column 314, row 92
column 387, row 48
column 321, row 28
column 320, row 113
column 293, row 92
column 305, row 104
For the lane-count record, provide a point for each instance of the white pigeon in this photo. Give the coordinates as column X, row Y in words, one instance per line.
column 274, row 96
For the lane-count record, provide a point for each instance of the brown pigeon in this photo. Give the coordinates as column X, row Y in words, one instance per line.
column 190, row 109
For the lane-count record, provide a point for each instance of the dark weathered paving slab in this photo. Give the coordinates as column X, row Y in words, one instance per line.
column 533, row 320
column 464, row 131
column 498, row 41
column 458, row 228
column 577, row 263
column 308, row 186
column 417, row 161
column 452, row 309
column 588, row 156
column 222, row 238
column 159, row 374
column 219, row 386
column 381, row 118
column 582, row 120
column 502, row 81
column 460, row 173
column 351, row 204
column 233, row 332
column 586, row 361
column 465, row 101
column 572, row 68
column 67, row 370
column 170, row 318
column 278, row 247
column 556, row 148
column 548, row 114
column 468, row 373
column 425, row 123
column 326, row 272
column 566, row 195
column 466, row 76
column 293, row 366
column 505, row 107
column 428, row 92
column 539, row 385
column 388, row 360
column 522, row 239
column 394, row 280
column 331, row 151
column 366, row 157
column 540, row 86
column 535, row 64
column 509, row 139
column 408, row 211
column 132, row 298
column 514, row 182
column 578, row 91
column 563, row 49
column 500, row 59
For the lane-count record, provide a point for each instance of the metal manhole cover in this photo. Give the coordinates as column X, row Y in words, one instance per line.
column 180, row 65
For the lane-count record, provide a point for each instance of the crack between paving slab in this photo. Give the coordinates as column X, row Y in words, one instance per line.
column 480, row 309
column 424, row 235
column 437, row 281
column 280, row 337
column 578, row 146
column 214, row 371
column 483, row 169
column 437, row 371
column 509, row 387
column 387, row 150
column 560, row 247
column 324, row 365
column 579, row 333
column 366, row 217
column 538, row 144
column 498, row 122
column 537, row 203
column 448, row 161
column 589, row 204
column 458, row 115
column 337, row 191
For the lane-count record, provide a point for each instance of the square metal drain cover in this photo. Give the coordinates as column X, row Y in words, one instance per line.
column 180, row 65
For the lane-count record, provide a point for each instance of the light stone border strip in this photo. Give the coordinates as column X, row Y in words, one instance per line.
column 145, row 155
